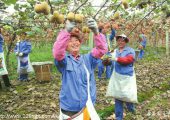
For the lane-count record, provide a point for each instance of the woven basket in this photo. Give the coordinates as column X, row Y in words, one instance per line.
column 42, row 70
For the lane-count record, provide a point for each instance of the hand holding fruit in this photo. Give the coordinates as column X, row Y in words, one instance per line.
column 20, row 54
column 113, row 58
column 106, row 62
column 70, row 25
column 91, row 23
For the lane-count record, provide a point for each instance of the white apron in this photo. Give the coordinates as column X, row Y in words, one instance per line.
column 29, row 68
column 3, row 70
column 90, row 107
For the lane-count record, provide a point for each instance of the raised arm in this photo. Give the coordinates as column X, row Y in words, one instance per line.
column 100, row 46
column 59, row 48
column 99, row 40
column 112, row 35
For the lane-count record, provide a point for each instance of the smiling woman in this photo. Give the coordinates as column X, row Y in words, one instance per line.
column 78, row 90
column 122, row 84
column 73, row 46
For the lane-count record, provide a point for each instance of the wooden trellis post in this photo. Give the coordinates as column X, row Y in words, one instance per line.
column 167, row 43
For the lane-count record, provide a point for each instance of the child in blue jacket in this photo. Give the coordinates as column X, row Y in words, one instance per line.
column 22, row 50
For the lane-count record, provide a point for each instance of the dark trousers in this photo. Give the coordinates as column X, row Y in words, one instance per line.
column 119, row 108
column 5, row 78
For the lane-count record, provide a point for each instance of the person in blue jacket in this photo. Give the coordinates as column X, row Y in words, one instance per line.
column 22, row 50
column 142, row 45
column 77, row 69
column 123, row 60
column 100, row 64
column 3, row 70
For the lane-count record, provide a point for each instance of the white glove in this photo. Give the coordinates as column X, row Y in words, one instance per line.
column 20, row 54
column 113, row 58
column 70, row 25
column 91, row 23
column 16, row 53
column 105, row 56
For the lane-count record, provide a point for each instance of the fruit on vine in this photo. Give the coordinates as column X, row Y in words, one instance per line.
column 125, row 3
column 38, row 8
column 56, row 14
column 52, row 19
column 85, row 29
column 116, row 16
column 60, row 19
column 42, row 8
column 79, row 18
column 47, row 10
column 71, row 16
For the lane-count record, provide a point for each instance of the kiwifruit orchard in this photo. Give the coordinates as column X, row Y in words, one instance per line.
column 42, row 20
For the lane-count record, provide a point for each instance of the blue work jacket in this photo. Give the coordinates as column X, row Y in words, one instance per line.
column 73, row 94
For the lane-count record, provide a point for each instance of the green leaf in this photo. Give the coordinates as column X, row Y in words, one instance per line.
column 36, row 29
column 56, row 1
column 19, row 31
column 9, row 2
column 7, row 27
column 30, row 33
column 31, row 15
column 16, row 6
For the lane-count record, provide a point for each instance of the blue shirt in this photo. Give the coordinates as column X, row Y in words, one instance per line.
column 24, row 47
column 1, row 43
column 121, row 68
column 73, row 94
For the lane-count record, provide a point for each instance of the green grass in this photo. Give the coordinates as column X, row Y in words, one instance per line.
column 106, row 112
column 20, row 88
column 154, row 54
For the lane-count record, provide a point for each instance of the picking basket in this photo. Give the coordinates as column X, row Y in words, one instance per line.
column 42, row 70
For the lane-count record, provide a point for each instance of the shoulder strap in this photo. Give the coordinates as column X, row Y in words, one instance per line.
column 88, row 80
